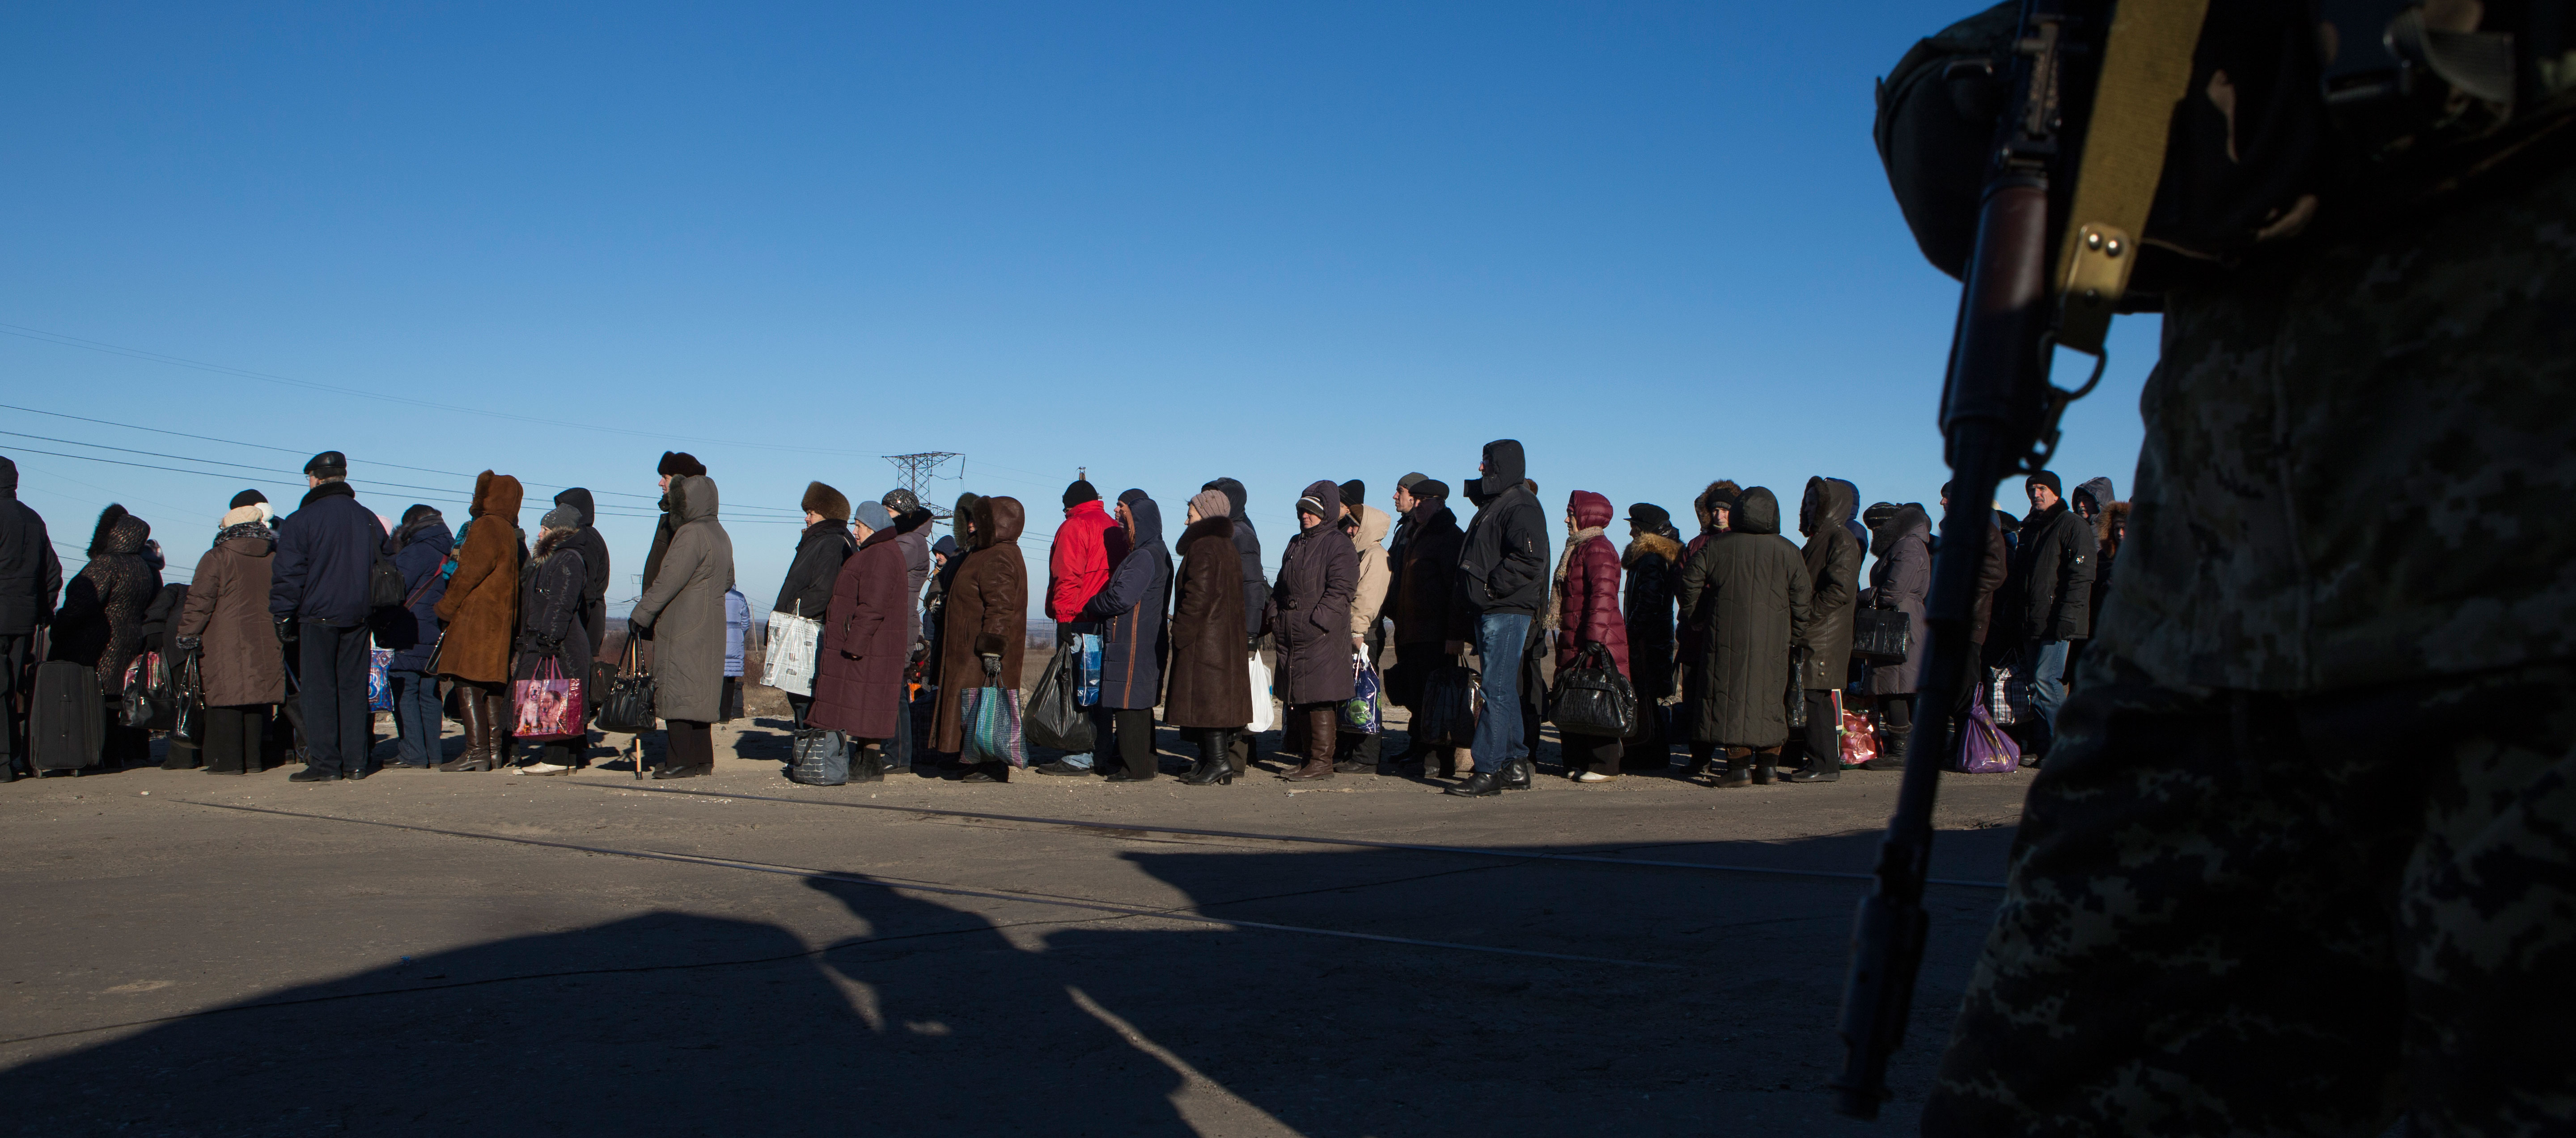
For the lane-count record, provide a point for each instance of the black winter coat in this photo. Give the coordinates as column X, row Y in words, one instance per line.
column 1310, row 609
column 325, row 549
column 1247, row 544
column 1135, row 608
column 420, row 551
column 31, row 575
column 1654, row 583
column 594, row 562
column 1833, row 559
column 819, row 554
column 2050, row 589
column 101, row 622
column 1422, row 598
column 1503, row 565
column 1746, row 593
column 1901, row 579
column 550, row 607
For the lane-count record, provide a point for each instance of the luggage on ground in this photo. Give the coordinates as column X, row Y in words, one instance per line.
column 67, row 720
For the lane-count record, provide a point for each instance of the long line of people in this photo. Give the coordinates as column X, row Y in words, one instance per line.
column 1726, row 637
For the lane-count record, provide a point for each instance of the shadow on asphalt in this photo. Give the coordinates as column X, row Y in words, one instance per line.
column 939, row 1021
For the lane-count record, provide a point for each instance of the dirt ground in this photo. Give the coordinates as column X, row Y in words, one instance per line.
column 192, row 954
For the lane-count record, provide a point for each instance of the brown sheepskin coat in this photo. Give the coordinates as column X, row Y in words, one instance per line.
column 227, row 610
column 986, row 611
column 1211, row 678
column 481, row 607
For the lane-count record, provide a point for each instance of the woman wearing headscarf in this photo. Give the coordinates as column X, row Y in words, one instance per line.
column 1584, row 609
column 225, row 620
column 1135, row 639
column 683, row 610
column 858, row 673
column 481, row 611
column 1309, row 618
column 1210, row 694
column 551, row 629
column 987, row 625
column 100, row 624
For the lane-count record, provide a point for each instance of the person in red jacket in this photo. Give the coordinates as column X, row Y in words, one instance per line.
column 1087, row 546
column 1586, row 610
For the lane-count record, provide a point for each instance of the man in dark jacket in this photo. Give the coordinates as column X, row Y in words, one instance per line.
column 1256, row 595
column 319, row 598
column 420, row 547
column 31, row 576
column 1501, row 586
column 1833, row 558
column 594, row 563
column 820, row 550
column 2050, row 598
column 1419, row 598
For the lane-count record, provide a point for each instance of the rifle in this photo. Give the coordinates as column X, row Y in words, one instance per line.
column 2053, row 250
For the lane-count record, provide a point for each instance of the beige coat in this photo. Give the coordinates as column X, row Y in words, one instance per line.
column 1370, row 541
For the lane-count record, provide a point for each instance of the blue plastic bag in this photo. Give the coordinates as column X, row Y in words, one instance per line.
column 992, row 721
column 1087, row 693
column 1360, row 713
column 380, row 689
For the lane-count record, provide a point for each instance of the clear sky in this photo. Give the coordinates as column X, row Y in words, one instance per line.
column 1164, row 242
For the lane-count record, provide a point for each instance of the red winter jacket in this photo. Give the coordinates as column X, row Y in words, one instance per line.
column 1087, row 546
column 1588, row 612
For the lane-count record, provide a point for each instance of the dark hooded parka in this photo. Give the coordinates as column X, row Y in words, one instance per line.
column 1310, row 606
column 101, row 622
column 1247, row 547
column 481, row 607
column 227, row 611
column 1210, row 684
column 1653, row 562
column 684, row 608
column 550, row 610
column 1135, row 634
column 420, row 546
column 810, row 582
column 594, row 562
column 1503, row 565
column 1421, row 599
column 1833, row 559
column 986, row 613
column 1746, row 591
column 1901, row 579
column 858, row 675
column 31, row 573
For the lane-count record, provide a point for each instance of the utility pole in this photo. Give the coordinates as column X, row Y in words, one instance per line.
column 916, row 469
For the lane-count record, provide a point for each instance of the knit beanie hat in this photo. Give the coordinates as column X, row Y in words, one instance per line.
column 561, row 517
column 328, row 464
column 2046, row 478
column 679, row 464
column 1311, row 505
column 1212, row 504
column 1080, row 492
column 873, row 516
column 247, row 497
column 1354, row 492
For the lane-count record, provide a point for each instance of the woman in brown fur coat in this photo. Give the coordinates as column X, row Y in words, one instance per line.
column 481, row 613
column 987, row 625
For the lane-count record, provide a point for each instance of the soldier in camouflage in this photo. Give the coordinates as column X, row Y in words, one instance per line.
column 2304, row 858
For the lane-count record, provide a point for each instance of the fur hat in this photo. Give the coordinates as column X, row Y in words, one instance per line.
column 679, row 464
column 1080, row 492
column 873, row 515
column 822, row 499
column 247, row 497
column 328, row 464
column 900, row 502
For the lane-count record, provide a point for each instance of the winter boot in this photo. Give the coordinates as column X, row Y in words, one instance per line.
column 479, row 730
column 869, row 764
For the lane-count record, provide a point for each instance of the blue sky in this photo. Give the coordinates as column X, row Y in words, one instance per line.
column 1165, row 242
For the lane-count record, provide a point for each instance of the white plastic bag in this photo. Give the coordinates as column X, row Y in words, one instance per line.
column 788, row 662
column 1264, row 716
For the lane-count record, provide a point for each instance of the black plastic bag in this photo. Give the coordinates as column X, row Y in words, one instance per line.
column 1056, row 717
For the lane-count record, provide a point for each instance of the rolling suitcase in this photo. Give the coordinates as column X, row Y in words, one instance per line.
column 67, row 720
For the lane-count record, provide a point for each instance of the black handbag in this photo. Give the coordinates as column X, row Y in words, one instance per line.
column 1056, row 718
column 188, row 712
column 1593, row 699
column 150, row 700
column 1450, row 698
column 1882, row 635
column 626, row 706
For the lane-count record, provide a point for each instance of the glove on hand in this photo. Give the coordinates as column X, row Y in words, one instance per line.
column 286, row 630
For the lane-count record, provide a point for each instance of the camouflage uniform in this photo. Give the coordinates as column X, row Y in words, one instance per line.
column 2305, row 855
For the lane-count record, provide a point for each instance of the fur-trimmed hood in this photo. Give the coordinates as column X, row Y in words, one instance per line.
column 2111, row 527
column 1651, row 544
column 496, row 495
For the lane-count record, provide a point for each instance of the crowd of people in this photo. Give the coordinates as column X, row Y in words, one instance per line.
column 1738, row 643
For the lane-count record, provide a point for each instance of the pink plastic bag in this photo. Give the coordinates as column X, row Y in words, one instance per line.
column 1860, row 743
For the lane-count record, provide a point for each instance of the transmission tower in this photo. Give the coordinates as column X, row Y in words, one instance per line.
column 916, row 471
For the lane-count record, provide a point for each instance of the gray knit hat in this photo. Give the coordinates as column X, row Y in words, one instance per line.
column 561, row 517
column 873, row 515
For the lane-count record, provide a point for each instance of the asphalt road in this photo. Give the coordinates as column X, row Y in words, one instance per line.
column 804, row 960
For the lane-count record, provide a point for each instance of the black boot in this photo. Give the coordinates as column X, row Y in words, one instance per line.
column 1819, row 768
column 1482, row 784
column 1516, row 773
column 868, row 765
column 1732, row 772
column 1891, row 750
column 1765, row 766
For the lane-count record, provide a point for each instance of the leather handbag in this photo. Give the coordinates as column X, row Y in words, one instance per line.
column 1882, row 635
column 188, row 716
column 627, row 706
column 1593, row 699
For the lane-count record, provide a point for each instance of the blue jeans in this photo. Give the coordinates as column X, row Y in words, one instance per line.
column 1499, row 639
column 2045, row 662
column 417, row 718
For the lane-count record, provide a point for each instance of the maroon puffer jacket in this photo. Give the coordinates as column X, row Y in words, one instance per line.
column 1589, row 609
